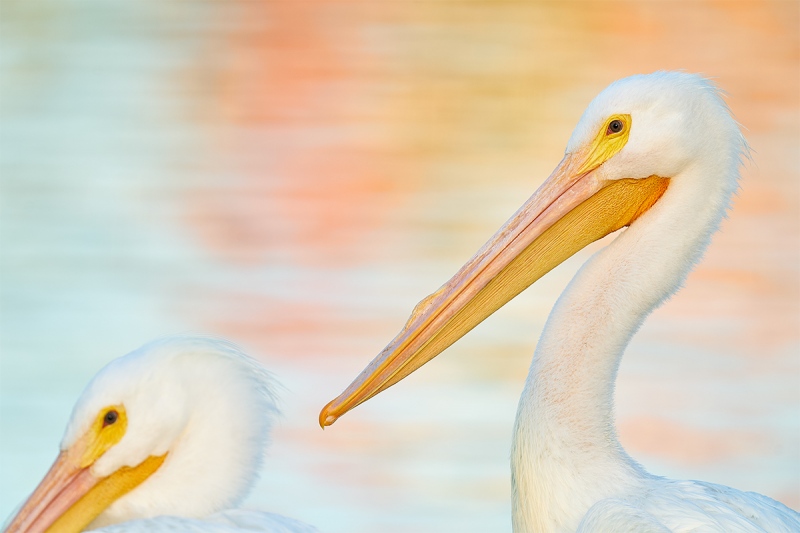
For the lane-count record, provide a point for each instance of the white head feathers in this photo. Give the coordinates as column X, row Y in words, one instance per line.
column 202, row 401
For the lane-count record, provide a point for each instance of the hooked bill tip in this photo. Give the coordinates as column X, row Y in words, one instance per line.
column 326, row 418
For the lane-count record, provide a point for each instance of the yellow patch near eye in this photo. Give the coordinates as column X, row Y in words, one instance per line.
column 104, row 433
column 608, row 142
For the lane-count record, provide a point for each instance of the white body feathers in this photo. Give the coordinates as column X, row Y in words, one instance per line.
column 233, row 521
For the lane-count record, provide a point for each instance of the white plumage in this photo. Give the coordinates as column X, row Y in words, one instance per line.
column 233, row 521
column 658, row 153
column 200, row 403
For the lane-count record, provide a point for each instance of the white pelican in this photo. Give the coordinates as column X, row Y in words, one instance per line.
column 176, row 428
column 657, row 153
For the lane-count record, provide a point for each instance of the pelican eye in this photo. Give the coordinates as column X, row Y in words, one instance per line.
column 110, row 417
column 615, row 126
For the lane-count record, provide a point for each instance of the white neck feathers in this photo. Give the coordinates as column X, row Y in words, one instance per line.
column 565, row 450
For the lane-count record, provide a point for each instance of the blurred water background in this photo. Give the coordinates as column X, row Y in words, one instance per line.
column 295, row 176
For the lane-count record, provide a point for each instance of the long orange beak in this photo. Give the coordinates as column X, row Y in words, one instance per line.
column 70, row 497
column 573, row 208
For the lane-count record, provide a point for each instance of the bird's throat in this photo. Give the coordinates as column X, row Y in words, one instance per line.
column 565, row 449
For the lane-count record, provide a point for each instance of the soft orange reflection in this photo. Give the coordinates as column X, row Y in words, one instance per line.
column 690, row 445
column 295, row 115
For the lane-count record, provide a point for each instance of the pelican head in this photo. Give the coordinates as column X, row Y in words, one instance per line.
column 176, row 427
column 669, row 121
column 651, row 151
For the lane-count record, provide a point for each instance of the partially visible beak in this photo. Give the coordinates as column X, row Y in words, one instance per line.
column 571, row 209
column 63, row 485
column 70, row 497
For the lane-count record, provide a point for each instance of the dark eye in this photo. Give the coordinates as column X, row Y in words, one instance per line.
column 110, row 418
column 615, row 126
